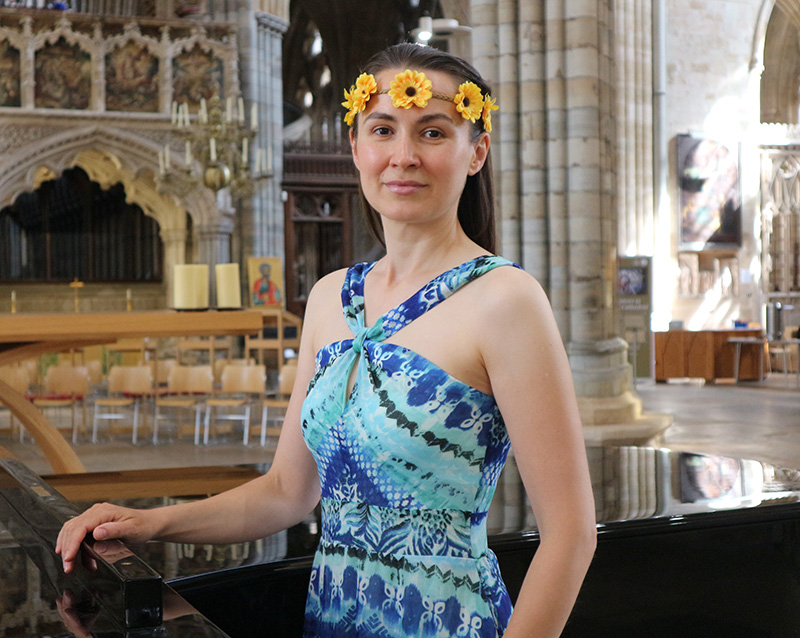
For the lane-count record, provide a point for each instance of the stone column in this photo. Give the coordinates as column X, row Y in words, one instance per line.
column 261, row 26
column 566, row 161
column 610, row 410
column 634, row 76
column 213, row 238
column 174, row 240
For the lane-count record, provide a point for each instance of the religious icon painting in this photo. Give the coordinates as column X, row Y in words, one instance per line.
column 265, row 277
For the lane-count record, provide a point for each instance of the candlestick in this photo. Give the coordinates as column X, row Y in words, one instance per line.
column 76, row 285
column 229, row 294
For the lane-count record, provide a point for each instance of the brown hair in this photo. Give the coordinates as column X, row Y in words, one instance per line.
column 476, row 205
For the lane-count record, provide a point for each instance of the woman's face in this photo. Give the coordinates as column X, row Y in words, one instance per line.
column 414, row 162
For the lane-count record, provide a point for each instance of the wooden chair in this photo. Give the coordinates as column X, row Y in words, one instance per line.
column 127, row 386
column 240, row 384
column 187, row 387
column 783, row 356
column 161, row 368
column 65, row 386
column 95, row 369
column 279, row 401
column 221, row 364
column 209, row 346
column 281, row 320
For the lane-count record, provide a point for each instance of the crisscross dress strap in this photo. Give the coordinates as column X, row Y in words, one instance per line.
column 428, row 297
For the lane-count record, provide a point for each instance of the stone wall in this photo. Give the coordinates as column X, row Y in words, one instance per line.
column 713, row 91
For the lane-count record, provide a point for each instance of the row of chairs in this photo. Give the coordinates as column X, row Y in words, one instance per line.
column 188, row 388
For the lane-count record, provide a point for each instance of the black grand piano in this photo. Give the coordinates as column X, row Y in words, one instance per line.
column 688, row 545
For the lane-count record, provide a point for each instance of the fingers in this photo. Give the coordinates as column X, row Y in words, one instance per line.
column 103, row 521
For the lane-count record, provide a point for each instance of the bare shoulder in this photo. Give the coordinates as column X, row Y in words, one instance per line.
column 326, row 291
column 509, row 294
column 323, row 317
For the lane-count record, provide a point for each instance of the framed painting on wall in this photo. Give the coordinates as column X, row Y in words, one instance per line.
column 265, row 278
column 709, row 193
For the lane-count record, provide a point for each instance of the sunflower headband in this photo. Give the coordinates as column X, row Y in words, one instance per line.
column 412, row 88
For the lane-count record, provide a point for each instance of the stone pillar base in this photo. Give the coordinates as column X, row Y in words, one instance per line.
column 620, row 421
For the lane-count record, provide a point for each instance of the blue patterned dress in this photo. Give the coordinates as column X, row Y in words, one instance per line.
column 408, row 464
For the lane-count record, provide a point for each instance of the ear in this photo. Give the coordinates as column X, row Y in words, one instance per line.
column 479, row 153
column 353, row 148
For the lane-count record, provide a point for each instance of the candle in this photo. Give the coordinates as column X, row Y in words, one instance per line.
column 174, row 112
column 160, row 162
column 166, row 156
column 228, row 109
column 244, row 151
column 185, row 111
column 254, row 116
column 240, row 110
column 187, row 155
column 229, row 294
column 257, row 169
column 213, row 149
column 203, row 112
column 128, row 294
column 190, row 287
column 14, row 301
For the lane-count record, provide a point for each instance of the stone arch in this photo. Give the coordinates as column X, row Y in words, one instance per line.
column 775, row 56
column 108, row 156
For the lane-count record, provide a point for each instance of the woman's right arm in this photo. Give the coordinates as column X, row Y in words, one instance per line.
column 279, row 499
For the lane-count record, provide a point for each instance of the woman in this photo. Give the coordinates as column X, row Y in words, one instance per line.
column 415, row 374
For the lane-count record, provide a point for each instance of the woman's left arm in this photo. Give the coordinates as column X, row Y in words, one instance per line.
column 532, row 384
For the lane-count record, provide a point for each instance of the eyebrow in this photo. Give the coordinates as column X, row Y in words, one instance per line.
column 379, row 115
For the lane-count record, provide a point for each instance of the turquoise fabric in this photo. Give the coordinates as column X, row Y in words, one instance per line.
column 408, row 464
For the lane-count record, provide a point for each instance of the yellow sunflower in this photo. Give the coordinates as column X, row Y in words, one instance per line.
column 469, row 101
column 410, row 88
column 349, row 104
column 367, row 85
column 356, row 99
column 489, row 105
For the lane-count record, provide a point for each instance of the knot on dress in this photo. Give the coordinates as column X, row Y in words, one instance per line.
column 362, row 334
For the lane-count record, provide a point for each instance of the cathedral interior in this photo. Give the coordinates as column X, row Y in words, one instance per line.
column 646, row 161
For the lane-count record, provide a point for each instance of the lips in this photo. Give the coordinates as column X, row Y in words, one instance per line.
column 404, row 187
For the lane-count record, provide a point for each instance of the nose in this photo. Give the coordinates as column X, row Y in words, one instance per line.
column 404, row 152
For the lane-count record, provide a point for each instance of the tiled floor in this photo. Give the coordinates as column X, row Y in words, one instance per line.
column 749, row 420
